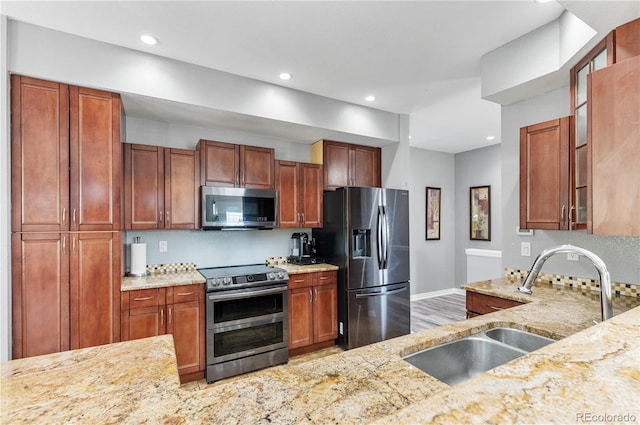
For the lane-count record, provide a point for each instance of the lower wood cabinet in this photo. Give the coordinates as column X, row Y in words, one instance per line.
column 65, row 291
column 479, row 304
column 177, row 310
column 313, row 311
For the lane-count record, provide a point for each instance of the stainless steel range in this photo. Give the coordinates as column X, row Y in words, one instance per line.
column 247, row 319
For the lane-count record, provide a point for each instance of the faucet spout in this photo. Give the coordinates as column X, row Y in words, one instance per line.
column 606, row 302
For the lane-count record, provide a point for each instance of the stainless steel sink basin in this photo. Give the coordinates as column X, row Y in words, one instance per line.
column 459, row 360
column 519, row 339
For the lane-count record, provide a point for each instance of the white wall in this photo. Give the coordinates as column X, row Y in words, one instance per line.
column 621, row 254
column 5, row 198
column 479, row 167
column 433, row 261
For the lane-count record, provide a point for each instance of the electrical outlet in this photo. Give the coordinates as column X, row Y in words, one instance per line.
column 572, row 256
column 525, row 249
column 162, row 246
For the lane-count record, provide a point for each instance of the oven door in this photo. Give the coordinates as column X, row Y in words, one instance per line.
column 247, row 322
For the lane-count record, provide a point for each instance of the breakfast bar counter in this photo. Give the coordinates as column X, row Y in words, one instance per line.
column 591, row 371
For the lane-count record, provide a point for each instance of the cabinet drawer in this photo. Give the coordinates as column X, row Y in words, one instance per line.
column 483, row 304
column 326, row 278
column 143, row 298
column 300, row 280
column 185, row 293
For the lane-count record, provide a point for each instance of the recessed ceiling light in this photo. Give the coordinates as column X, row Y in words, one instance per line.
column 491, row 137
column 147, row 39
column 285, row 76
column 370, row 98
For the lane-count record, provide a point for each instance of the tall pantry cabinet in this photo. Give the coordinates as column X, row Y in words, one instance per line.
column 65, row 193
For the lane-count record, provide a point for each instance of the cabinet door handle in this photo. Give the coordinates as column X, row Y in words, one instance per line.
column 492, row 307
column 169, row 318
column 302, row 218
column 64, row 216
column 323, row 278
column 160, row 217
column 142, row 298
column 73, row 245
column 564, row 207
column 315, row 299
column 162, row 317
column 183, row 294
column 74, row 216
column 64, row 245
column 299, row 280
column 310, row 295
column 167, row 218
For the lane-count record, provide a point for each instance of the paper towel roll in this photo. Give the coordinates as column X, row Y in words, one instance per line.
column 138, row 259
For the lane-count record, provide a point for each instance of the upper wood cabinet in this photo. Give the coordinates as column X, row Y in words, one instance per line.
column 299, row 187
column 544, row 175
column 65, row 144
column 347, row 164
column 227, row 164
column 161, row 187
column 614, row 141
column 627, row 40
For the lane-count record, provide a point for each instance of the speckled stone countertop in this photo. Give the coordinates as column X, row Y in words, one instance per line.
column 592, row 371
column 309, row 268
column 161, row 280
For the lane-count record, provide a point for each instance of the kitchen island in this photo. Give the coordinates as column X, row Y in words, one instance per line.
column 592, row 371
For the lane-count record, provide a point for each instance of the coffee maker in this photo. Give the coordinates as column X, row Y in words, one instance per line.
column 301, row 249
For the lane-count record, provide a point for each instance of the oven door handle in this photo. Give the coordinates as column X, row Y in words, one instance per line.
column 247, row 294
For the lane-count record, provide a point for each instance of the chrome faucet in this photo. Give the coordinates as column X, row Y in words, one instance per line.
column 606, row 303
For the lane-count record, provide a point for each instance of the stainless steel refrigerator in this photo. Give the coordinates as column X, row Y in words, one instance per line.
column 366, row 234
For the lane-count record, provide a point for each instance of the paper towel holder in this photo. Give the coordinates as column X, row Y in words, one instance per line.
column 136, row 240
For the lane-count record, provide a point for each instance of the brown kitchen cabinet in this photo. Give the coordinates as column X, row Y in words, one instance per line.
column 227, row 164
column 161, row 187
column 65, row 191
column 313, row 311
column 614, row 149
column 300, row 188
column 65, row 157
column 175, row 310
column 544, row 175
column 479, row 304
column 65, row 291
column 347, row 164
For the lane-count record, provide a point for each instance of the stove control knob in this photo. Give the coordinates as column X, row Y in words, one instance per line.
column 280, row 275
column 226, row 281
column 215, row 282
column 271, row 276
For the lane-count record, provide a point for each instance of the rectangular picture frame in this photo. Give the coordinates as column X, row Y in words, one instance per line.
column 432, row 218
column 480, row 213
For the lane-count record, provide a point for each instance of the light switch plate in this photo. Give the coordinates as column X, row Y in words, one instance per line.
column 162, row 246
column 525, row 249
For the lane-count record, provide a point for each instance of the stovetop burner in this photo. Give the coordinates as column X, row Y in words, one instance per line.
column 243, row 276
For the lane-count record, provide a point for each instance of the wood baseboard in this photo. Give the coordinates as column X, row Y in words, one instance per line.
column 190, row 377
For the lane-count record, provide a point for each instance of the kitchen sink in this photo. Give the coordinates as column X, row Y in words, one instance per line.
column 523, row 340
column 459, row 360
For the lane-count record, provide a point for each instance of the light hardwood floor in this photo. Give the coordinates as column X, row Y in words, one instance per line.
column 432, row 312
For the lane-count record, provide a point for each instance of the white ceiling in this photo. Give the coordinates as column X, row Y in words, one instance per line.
column 420, row 58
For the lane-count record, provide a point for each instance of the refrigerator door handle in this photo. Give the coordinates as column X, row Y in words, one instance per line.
column 381, row 294
column 379, row 239
column 385, row 239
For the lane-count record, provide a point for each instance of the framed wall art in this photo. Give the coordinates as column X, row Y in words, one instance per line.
column 433, row 214
column 480, row 213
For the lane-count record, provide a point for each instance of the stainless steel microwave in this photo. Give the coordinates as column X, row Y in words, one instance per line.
column 230, row 208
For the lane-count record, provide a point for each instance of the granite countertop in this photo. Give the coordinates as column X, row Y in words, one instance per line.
column 161, row 280
column 193, row 277
column 592, row 371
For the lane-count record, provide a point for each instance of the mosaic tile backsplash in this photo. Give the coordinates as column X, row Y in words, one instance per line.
column 624, row 289
column 171, row 268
